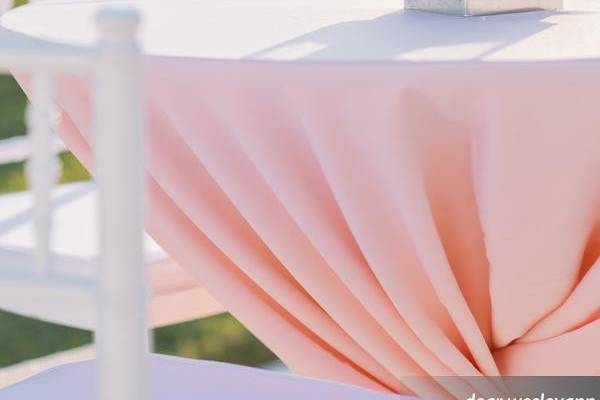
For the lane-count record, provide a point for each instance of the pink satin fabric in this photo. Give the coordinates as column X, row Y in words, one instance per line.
column 375, row 222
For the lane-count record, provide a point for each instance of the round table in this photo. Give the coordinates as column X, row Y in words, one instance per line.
column 376, row 193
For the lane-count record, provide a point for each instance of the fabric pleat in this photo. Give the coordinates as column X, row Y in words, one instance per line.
column 382, row 225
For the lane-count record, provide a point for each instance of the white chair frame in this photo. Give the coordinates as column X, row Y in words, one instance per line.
column 115, row 64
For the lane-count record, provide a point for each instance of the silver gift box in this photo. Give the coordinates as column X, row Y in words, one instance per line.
column 482, row 7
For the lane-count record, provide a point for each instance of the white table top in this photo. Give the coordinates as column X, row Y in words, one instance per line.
column 326, row 30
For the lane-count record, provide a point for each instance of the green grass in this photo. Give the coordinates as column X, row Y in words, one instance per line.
column 24, row 338
column 12, row 176
column 12, row 106
column 219, row 338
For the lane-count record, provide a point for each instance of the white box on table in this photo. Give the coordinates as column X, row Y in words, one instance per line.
column 482, row 7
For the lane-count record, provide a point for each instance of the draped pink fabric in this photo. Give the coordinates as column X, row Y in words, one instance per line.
column 373, row 230
column 376, row 219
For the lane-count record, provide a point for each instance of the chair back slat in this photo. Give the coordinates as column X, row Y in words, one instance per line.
column 119, row 150
column 43, row 168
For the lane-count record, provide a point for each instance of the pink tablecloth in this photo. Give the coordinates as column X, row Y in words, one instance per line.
column 376, row 194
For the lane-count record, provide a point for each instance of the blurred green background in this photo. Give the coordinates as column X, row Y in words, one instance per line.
column 219, row 338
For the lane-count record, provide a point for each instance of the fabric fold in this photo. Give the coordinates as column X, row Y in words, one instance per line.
column 384, row 232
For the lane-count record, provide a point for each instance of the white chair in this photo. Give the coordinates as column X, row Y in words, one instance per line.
column 121, row 328
column 124, row 369
column 71, row 255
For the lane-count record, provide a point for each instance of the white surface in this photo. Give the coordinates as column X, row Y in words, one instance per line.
column 359, row 30
column 183, row 379
column 19, row 372
column 26, row 369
